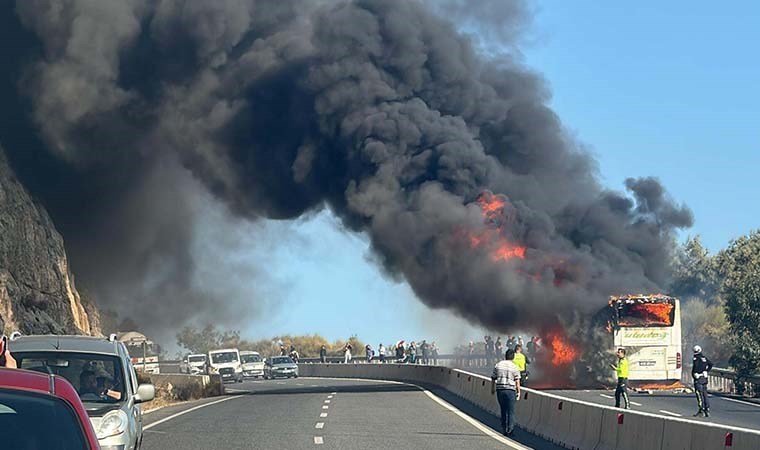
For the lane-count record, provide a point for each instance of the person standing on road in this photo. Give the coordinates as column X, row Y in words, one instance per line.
column 499, row 346
column 489, row 350
column 511, row 342
column 470, row 351
column 699, row 369
column 434, row 352
column 521, row 361
column 425, row 349
column 505, row 381
column 347, row 353
column 621, row 369
column 323, row 354
column 381, row 352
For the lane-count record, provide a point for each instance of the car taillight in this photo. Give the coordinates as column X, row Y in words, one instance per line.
column 678, row 360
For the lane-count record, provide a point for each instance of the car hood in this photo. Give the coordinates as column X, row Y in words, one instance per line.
column 284, row 366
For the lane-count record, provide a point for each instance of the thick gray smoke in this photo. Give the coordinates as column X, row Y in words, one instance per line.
column 377, row 109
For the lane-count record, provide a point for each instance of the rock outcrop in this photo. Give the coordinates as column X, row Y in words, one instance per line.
column 37, row 291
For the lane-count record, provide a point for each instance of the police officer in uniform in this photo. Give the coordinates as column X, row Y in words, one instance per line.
column 621, row 369
column 700, row 366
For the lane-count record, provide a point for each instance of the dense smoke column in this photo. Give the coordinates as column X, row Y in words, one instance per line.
column 379, row 110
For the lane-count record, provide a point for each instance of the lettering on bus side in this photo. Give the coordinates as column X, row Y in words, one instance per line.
column 649, row 334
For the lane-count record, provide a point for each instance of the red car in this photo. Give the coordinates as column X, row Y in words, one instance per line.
column 39, row 411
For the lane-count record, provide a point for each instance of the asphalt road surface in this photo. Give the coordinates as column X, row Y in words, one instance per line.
column 308, row 413
column 723, row 410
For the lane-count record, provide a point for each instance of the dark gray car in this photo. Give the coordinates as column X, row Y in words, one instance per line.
column 280, row 367
column 101, row 371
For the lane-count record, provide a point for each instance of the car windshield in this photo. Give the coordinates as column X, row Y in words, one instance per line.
column 97, row 378
column 36, row 421
column 201, row 358
column 250, row 358
column 225, row 357
column 282, row 360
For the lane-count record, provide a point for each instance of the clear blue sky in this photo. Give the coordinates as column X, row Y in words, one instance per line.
column 669, row 89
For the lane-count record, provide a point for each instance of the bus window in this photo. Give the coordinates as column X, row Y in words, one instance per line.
column 645, row 314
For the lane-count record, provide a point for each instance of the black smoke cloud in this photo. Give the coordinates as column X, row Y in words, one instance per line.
column 379, row 110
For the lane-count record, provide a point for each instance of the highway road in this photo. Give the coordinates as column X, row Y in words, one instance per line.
column 306, row 413
column 723, row 410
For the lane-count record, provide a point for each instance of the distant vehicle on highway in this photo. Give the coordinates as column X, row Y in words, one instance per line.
column 102, row 372
column 253, row 364
column 280, row 366
column 226, row 362
column 649, row 328
column 31, row 402
column 194, row 364
column 143, row 351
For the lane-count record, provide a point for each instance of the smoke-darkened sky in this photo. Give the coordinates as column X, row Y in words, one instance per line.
column 128, row 118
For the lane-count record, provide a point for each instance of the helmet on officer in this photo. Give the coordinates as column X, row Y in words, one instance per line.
column 697, row 349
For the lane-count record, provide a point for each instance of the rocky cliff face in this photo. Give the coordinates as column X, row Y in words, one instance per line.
column 37, row 291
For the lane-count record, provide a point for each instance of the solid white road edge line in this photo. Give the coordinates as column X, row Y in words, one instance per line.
column 476, row 423
column 670, row 413
column 181, row 413
column 739, row 401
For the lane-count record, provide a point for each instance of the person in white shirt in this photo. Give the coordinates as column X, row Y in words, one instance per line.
column 505, row 382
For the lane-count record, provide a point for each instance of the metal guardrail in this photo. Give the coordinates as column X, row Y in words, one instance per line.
column 724, row 380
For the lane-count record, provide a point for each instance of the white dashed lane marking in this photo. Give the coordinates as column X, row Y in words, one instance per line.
column 319, row 425
column 328, row 401
column 325, row 407
column 323, row 415
column 606, row 396
column 318, row 440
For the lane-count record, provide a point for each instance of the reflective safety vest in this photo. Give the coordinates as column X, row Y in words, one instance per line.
column 622, row 368
column 520, row 361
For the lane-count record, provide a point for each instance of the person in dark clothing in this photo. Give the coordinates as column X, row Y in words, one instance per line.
column 323, row 354
column 489, row 350
column 425, row 349
column 699, row 369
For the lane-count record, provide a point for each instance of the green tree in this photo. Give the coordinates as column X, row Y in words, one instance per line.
column 695, row 272
column 707, row 325
column 206, row 339
column 740, row 268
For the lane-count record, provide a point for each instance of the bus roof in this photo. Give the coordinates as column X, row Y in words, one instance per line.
column 642, row 298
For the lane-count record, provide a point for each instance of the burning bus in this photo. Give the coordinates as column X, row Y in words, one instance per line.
column 143, row 351
column 649, row 328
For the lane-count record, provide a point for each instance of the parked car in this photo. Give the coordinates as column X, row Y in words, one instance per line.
column 226, row 362
column 280, row 366
column 193, row 364
column 42, row 411
column 253, row 364
column 101, row 371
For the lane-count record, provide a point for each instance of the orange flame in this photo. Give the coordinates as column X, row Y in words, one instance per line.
column 563, row 352
column 653, row 312
column 494, row 212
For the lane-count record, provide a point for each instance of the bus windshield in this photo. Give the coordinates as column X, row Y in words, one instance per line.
column 645, row 314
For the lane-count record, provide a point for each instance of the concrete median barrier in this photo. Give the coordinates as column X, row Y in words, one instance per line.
column 576, row 425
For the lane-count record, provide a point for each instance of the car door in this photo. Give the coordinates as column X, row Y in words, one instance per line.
column 136, row 409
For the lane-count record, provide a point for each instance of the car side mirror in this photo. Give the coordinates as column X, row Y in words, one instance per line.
column 145, row 393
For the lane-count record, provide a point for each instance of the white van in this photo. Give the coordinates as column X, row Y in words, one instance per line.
column 226, row 362
column 253, row 364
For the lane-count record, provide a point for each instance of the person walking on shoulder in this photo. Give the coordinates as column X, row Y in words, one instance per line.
column 505, row 381
column 381, row 352
column 347, row 353
column 521, row 361
column 699, row 369
column 621, row 369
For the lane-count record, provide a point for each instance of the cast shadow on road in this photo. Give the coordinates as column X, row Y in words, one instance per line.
column 491, row 421
column 290, row 389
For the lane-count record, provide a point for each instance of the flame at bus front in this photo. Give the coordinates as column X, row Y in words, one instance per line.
column 659, row 313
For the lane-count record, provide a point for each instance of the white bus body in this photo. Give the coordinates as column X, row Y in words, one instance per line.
column 652, row 340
